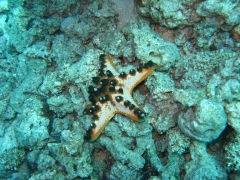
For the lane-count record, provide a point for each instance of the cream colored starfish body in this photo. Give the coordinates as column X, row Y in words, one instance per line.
column 113, row 95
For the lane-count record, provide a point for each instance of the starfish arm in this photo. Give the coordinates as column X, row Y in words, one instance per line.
column 109, row 65
column 131, row 81
column 126, row 110
column 128, row 96
column 107, row 111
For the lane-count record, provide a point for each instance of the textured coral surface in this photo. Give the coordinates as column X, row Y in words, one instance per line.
column 49, row 52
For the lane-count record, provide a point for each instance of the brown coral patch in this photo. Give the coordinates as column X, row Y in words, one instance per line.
column 235, row 33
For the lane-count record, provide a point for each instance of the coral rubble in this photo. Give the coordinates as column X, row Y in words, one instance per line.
column 49, row 52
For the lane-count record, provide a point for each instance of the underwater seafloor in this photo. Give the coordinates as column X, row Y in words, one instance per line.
column 49, row 53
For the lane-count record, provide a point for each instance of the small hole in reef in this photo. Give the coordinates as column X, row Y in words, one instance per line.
column 151, row 53
column 75, row 167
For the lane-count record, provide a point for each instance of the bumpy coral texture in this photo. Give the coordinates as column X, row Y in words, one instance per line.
column 202, row 164
column 48, row 53
column 227, row 10
column 232, row 154
column 233, row 112
column 169, row 13
column 177, row 141
column 72, row 153
column 150, row 46
column 208, row 122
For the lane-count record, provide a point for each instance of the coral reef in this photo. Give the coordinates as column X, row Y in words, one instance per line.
column 60, row 105
column 236, row 33
column 177, row 142
column 208, row 123
column 227, row 10
column 150, row 46
column 114, row 42
column 233, row 112
column 190, row 96
column 168, row 13
column 49, row 52
column 203, row 165
column 10, row 161
column 159, row 85
column 232, row 154
column 72, row 153
column 31, row 126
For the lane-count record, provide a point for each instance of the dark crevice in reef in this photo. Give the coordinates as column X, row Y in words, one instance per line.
column 45, row 109
column 148, row 169
column 102, row 162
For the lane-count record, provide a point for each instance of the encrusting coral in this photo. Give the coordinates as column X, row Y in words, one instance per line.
column 113, row 95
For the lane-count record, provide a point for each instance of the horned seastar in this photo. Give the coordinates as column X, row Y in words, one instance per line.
column 113, row 95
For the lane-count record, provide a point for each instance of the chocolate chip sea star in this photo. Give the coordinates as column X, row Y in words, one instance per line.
column 113, row 95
